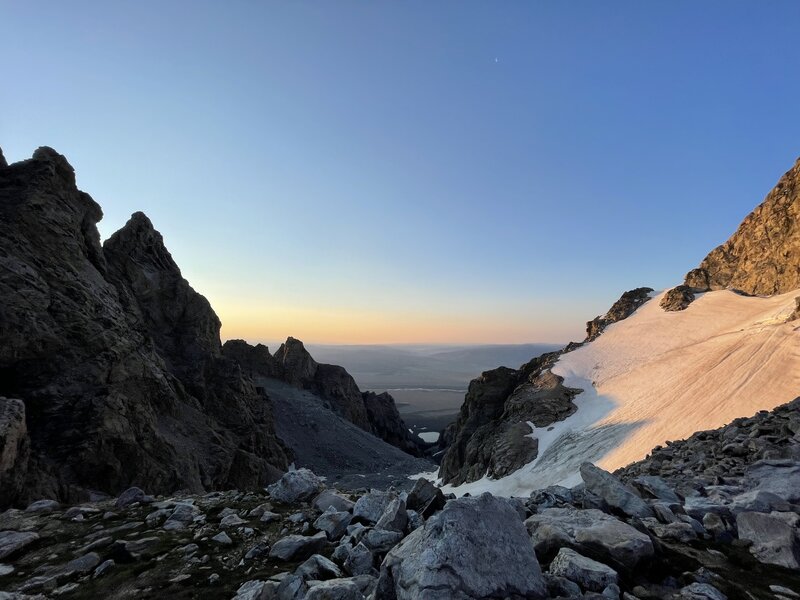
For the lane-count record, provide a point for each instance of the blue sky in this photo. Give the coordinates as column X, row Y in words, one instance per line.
column 415, row 171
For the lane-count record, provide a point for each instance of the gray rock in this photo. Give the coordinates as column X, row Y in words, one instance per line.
column 618, row 496
column 298, row 547
column 182, row 516
column 269, row 517
column 779, row 589
column 232, row 521
column 43, row 506
column 561, row 587
column 250, row 590
column 425, row 498
column 5, row 569
column 700, row 591
column 85, row 563
column 333, row 523
column 341, row 552
column 381, row 541
column 758, row 501
column 394, row 517
column 473, row 548
column 14, row 542
column 328, row 498
column 335, row 589
column 371, row 506
column 590, row 532
column 774, row 537
column 359, row 561
column 656, row 487
column 318, row 567
column 589, row 574
column 291, row 587
column 222, row 538
column 130, row 496
column 415, row 520
column 779, row 477
column 698, row 506
column 295, row 486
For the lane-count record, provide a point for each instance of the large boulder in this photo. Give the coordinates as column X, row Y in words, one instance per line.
column 590, row 574
column 371, row 506
column 298, row 547
column 474, row 548
column 14, row 542
column 779, row 477
column 620, row 498
column 774, row 537
column 590, row 532
column 295, row 486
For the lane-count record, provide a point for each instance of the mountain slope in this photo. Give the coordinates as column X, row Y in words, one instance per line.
column 655, row 371
column 116, row 360
column 292, row 364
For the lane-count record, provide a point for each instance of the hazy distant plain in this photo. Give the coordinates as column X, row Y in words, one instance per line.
column 427, row 381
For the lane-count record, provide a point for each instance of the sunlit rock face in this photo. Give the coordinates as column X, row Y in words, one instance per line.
column 116, row 359
column 763, row 256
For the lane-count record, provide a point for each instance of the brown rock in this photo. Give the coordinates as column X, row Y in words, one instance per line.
column 763, row 256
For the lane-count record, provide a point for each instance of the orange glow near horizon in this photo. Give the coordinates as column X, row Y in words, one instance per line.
column 323, row 326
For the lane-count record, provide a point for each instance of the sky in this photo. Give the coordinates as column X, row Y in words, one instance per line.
column 413, row 172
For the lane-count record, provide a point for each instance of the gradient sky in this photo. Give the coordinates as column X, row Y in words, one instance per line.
column 413, row 171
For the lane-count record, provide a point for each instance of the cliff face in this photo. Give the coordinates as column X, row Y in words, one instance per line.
column 293, row 364
column 763, row 256
column 115, row 358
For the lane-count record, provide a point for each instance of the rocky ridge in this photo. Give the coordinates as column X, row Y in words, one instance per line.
column 713, row 517
column 115, row 359
column 293, row 364
column 763, row 256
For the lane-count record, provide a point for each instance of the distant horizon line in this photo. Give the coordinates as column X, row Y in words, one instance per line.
column 400, row 344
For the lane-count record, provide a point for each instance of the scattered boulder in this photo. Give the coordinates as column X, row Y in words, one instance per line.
column 14, row 542
column 590, row 532
column 328, row 498
column 318, row 567
column 298, row 547
column 335, row 589
column 359, row 561
column 43, row 506
column 333, row 523
column 130, row 496
column 474, row 548
column 618, row 496
column 590, row 574
column 425, row 498
column 294, row 486
column 371, row 506
column 779, row 477
column 394, row 517
column 774, row 537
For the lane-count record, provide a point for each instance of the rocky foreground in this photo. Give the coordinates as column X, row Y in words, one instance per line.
column 712, row 517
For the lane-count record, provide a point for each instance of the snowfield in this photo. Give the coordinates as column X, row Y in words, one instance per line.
column 659, row 376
